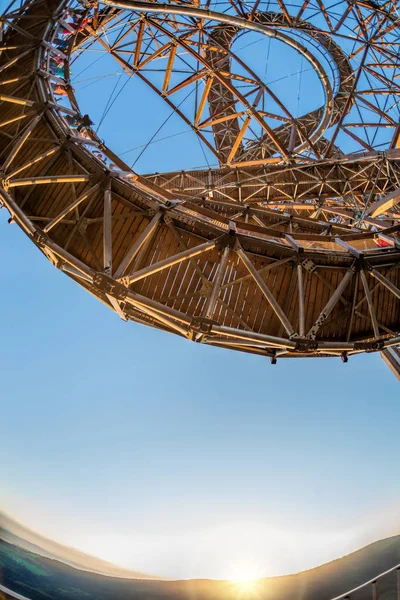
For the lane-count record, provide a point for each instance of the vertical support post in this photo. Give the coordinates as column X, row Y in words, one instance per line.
column 209, row 309
column 353, row 307
column 292, row 139
column 107, row 231
column 301, row 300
column 375, row 593
column 398, row 584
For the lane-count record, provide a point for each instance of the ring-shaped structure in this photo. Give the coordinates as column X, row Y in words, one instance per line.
column 222, row 256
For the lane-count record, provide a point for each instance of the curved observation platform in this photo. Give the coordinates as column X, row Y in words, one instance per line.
column 289, row 246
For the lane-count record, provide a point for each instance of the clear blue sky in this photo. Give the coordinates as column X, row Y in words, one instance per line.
column 179, row 459
column 119, row 437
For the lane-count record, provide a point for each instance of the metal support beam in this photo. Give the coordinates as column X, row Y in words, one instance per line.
column 398, row 583
column 70, row 259
column 391, row 356
column 17, row 147
column 17, row 213
column 71, row 207
column 134, row 249
column 370, row 303
column 375, row 591
column 14, row 100
column 156, row 314
column 211, row 303
column 350, row 249
column 116, row 306
column 33, row 162
column 169, row 262
column 384, row 204
column 12, row 61
column 268, row 340
column 107, row 231
column 330, row 305
column 301, row 300
column 161, row 308
column 47, row 180
column 182, row 244
column 269, row 267
column 10, row 121
column 384, row 281
column 353, row 307
column 266, row 292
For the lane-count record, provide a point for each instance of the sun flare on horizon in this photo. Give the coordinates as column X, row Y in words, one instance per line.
column 246, row 586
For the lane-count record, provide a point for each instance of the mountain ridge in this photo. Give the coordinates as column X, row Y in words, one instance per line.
column 39, row 578
column 20, row 535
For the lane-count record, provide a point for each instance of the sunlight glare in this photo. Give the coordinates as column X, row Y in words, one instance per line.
column 246, row 586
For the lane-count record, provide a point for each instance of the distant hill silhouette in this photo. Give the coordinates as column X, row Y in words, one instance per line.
column 19, row 535
column 41, row 578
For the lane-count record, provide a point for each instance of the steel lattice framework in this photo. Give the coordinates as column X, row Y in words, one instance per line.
column 289, row 246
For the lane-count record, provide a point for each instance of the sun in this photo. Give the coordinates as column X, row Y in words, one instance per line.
column 246, row 586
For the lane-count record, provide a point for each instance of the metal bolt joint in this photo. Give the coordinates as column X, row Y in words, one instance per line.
column 371, row 346
column 303, row 345
column 40, row 239
column 227, row 240
column 109, row 286
column 202, row 325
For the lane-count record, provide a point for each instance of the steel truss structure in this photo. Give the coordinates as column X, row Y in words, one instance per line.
column 290, row 245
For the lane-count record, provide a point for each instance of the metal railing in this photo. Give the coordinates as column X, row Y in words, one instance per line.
column 9, row 593
column 374, row 585
column 346, row 596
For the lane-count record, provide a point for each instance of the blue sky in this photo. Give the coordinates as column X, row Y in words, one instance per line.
column 179, row 459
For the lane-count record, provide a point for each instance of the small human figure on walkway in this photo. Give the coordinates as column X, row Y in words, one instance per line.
column 74, row 15
column 85, row 122
column 72, row 121
column 100, row 156
column 76, row 26
column 84, row 134
column 57, row 69
column 61, row 44
column 69, row 13
column 57, row 60
column 61, row 90
column 79, row 123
